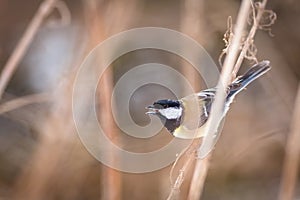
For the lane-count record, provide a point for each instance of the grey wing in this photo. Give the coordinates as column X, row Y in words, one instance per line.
column 206, row 97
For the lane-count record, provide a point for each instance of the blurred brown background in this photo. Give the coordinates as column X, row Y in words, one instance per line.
column 41, row 156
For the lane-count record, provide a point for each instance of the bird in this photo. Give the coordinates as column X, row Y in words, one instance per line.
column 186, row 118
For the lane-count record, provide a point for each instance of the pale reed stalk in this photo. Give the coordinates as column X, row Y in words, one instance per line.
column 230, row 67
column 292, row 154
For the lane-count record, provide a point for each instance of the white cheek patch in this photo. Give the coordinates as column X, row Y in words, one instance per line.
column 171, row 113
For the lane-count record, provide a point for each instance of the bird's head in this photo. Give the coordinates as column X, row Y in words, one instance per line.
column 169, row 111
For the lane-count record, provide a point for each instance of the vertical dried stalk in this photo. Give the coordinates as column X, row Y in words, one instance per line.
column 110, row 179
column 230, row 68
column 44, row 10
column 292, row 153
column 202, row 165
column 99, row 27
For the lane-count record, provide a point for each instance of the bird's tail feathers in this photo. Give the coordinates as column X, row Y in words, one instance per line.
column 252, row 74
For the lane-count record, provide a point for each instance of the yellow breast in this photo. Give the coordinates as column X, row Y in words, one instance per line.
column 190, row 127
column 184, row 133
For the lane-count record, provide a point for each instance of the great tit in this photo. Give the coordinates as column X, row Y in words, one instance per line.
column 186, row 118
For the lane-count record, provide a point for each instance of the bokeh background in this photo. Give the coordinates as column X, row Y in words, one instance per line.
column 41, row 156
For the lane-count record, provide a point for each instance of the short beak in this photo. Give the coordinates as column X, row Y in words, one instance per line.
column 151, row 110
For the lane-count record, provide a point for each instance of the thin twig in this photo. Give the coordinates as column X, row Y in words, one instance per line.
column 23, row 101
column 292, row 153
column 44, row 10
column 190, row 153
column 248, row 42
